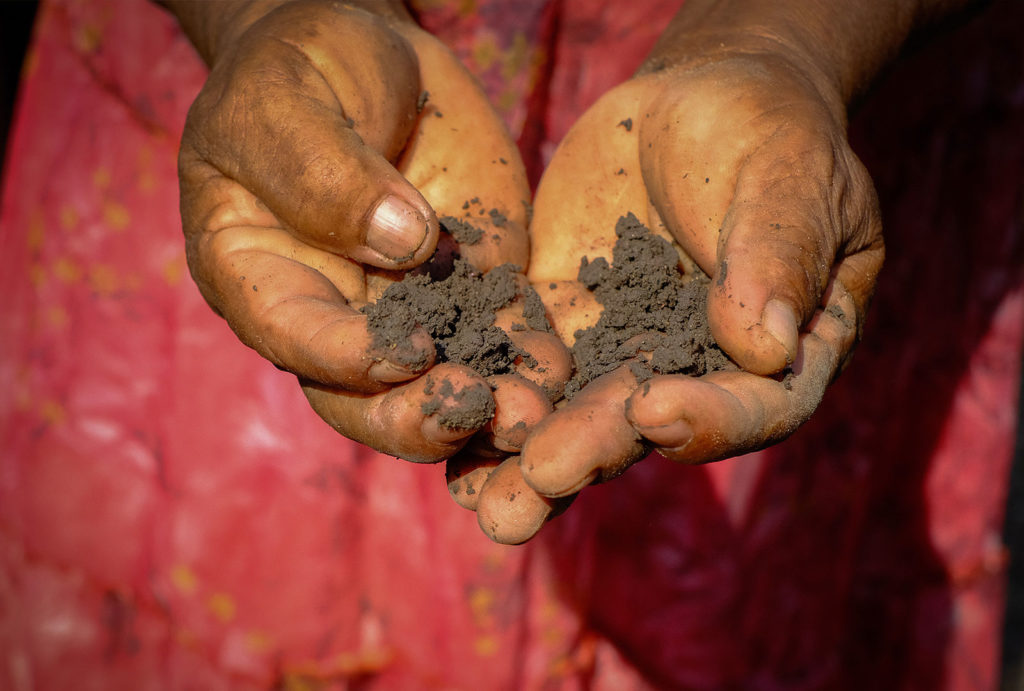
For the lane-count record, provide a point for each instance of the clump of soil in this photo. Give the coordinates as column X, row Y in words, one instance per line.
column 474, row 405
column 458, row 312
column 649, row 307
column 464, row 232
column 457, row 305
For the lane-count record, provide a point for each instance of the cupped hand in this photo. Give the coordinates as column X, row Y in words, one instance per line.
column 326, row 154
column 741, row 160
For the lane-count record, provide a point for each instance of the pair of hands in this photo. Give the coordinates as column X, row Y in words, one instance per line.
column 314, row 173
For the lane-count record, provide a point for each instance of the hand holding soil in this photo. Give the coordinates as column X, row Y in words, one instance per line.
column 333, row 149
column 742, row 163
column 316, row 163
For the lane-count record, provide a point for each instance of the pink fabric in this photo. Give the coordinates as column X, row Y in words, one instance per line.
column 173, row 516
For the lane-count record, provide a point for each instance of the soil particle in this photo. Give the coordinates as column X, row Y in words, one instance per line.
column 649, row 307
column 497, row 218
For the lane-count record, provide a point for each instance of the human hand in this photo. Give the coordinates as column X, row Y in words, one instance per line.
column 741, row 159
column 316, row 163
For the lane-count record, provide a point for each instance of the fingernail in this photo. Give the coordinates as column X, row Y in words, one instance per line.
column 433, row 429
column 779, row 320
column 388, row 372
column 674, row 435
column 396, row 229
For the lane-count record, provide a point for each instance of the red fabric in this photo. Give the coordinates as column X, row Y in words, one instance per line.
column 173, row 516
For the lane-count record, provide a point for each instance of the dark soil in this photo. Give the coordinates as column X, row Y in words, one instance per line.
column 464, row 232
column 456, row 304
column 458, row 312
column 649, row 307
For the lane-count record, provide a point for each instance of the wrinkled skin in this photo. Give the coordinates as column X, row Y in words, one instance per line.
column 317, row 122
column 743, row 161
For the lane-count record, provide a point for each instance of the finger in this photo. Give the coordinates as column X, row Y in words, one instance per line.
column 285, row 300
column 586, row 440
column 290, row 301
column 424, row 421
column 479, row 187
column 466, row 474
column 305, row 115
column 519, row 405
column 729, row 413
column 779, row 249
column 546, row 361
column 689, row 168
column 484, row 241
column 508, row 510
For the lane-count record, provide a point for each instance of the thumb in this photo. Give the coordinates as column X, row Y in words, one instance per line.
column 794, row 227
column 772, row 217
column 310, row 122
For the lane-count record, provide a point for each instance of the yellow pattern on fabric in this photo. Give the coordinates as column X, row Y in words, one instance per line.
column 184, row 579
column 222, row 606
column 57, row 316
column 485, row 52
column 87, row 38
column 173, row 270
column 53, row 411
column 36, row 230
column 515, row 58
column 37, row 274
column 103, row 280
column 116, row 215
column 67, row 270
column 258, row 641
column 486, row 646
column 68, row 217
column 101, row 178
